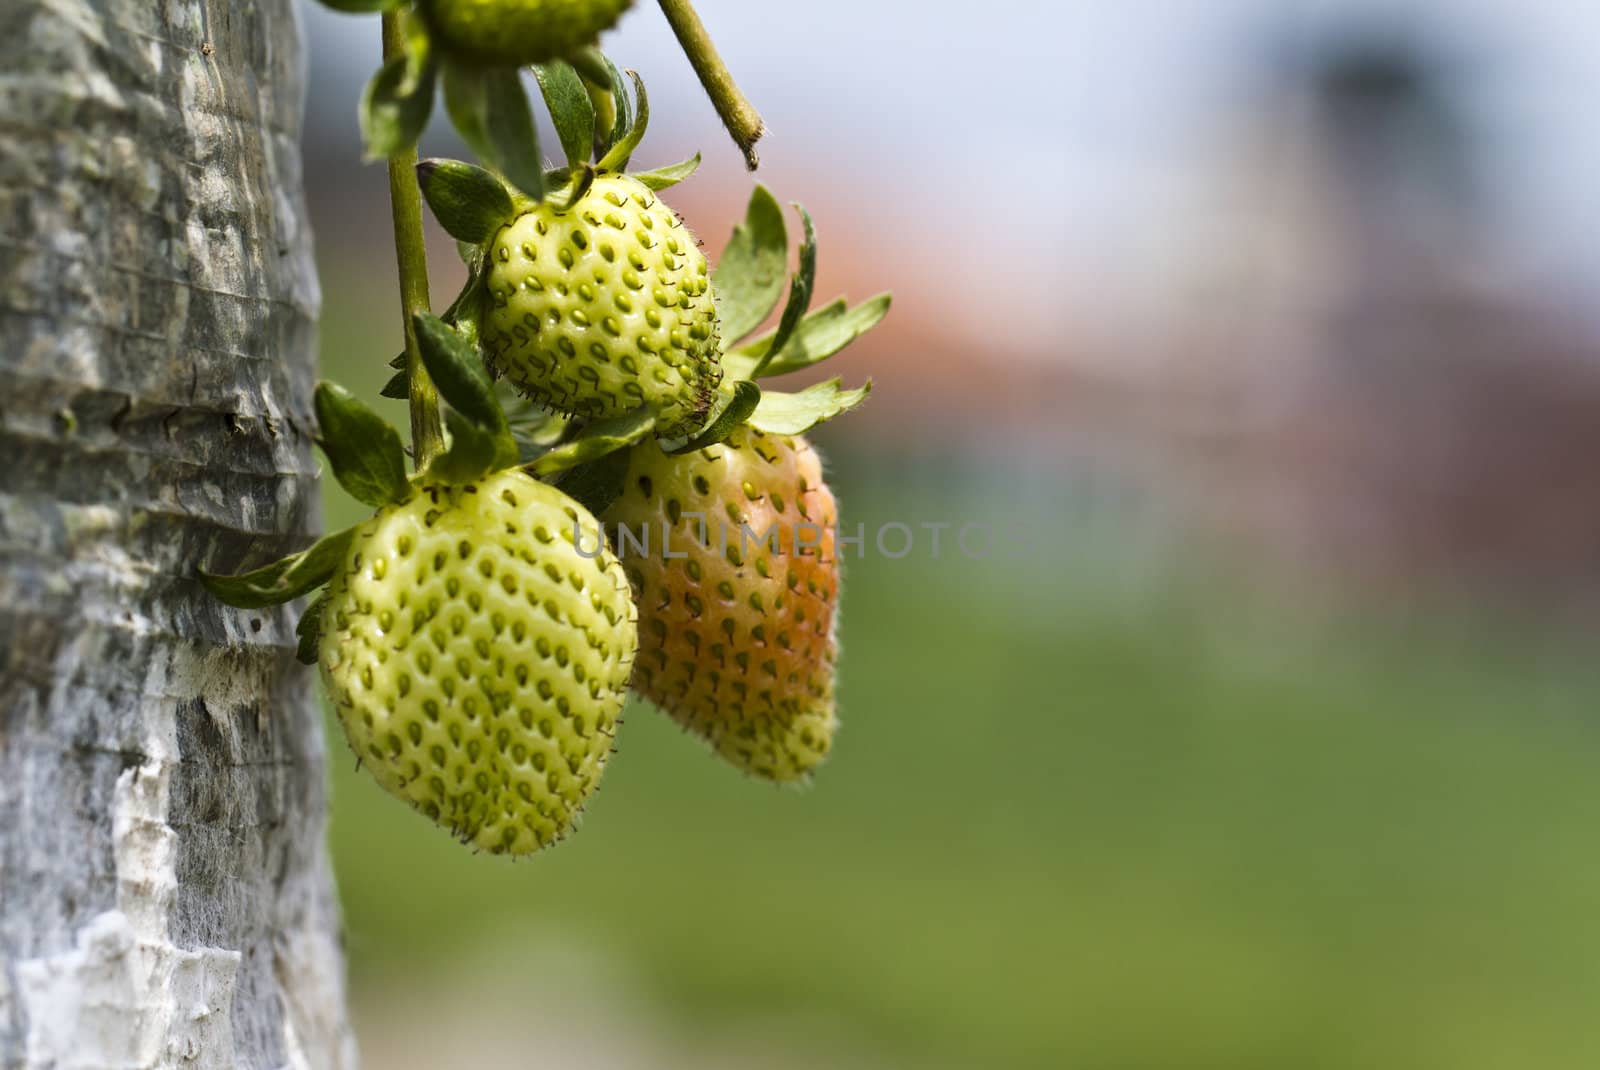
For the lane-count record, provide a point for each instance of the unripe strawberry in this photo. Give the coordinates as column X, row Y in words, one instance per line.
column 519, row 32
column 596, row 309
column 736, row 641
column 478, row 661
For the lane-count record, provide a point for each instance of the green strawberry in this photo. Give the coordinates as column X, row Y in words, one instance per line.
column 518, row 32
column 736, row 644
column 597, row 309
column 478, row 661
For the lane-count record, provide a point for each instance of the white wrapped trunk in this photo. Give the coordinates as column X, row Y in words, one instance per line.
column 165, row 894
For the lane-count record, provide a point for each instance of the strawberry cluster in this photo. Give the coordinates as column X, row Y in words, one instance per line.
column 478, row 636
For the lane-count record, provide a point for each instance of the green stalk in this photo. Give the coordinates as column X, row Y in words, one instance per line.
column 411, row 253
column 738, row 114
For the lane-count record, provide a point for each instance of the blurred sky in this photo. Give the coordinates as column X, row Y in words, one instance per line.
column 1079, row 122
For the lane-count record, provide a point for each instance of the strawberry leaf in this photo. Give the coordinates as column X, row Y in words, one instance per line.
column 799, row 290
column 458, row 372
column 469, row 202
column 472, row 452
column 818, row 336
column 582, row 179
column 310, row 630
column 367, row 457
column 570, row 108
column 490, row 110
column 598, row 483
column 665, row 177
column 620, row 104
column 453, row 364
column 617, row 156
column 398, row 100
column 285, row 579
column 794, row 414
column 398, row 387
column 595, row 441
column 736, row 400
column 749, row 278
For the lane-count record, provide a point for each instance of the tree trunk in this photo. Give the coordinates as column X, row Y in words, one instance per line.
column 165, row 894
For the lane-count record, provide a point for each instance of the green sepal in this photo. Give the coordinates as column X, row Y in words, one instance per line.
column 604, row 104
column 617, row 156
column 489, row 109
column 595, row 441
column 470, row 203
column 817, row 337
column 665, row 177
column 570, row 109
column 590, row 64
column 364, row 7
column 749, row 278
column 309, row 630
column 794, row 414
column 582, row 179
column 535, row 429
column 286, row 578
column 459, row 313
column 736, row 400
column 472, row 452
column 597, row 484
column 398, row 100
column 621, row 105
column 398, row 387
column 365, row 453
column 458, row 372
column 800, row 288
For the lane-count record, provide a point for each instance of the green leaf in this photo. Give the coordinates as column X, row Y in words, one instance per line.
column 596, row 440
column 310, row 630
column 469, row 202
column 398, row 387
column 398, row 101
column 817, row 337
column 458, row 372
column 597, row 484
column 617, row 156
column 364, row 7
column 795, row 414
column 570, row 108
column 453, row 365
column 621, row 104
column 367, row 457
column 473, row 450
column 467, row 325
column 285, row 579
column 664, row 177
column 799, row 289
column 489, row 109
column 749, row 278
column 591, row 65
column 736, row 400
column 582, row 179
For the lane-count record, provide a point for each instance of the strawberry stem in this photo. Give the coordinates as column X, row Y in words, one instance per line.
column 738, row 114
column 411, row 253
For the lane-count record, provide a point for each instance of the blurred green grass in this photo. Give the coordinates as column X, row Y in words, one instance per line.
column 1074, row 823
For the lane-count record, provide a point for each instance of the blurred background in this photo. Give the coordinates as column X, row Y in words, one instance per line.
column 1276, row 326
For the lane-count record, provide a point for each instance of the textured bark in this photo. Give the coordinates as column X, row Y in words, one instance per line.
column 165, row 897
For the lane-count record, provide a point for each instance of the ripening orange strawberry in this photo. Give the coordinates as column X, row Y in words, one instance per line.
column 736, row 640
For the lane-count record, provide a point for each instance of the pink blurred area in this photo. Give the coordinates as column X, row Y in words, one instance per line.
column 1323, row 280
